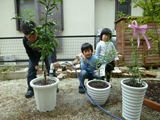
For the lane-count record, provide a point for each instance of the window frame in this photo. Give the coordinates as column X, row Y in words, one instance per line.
column 17, row 11
column 117, row 5
column 16, row 4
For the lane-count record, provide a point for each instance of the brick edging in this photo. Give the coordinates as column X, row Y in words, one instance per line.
column 151, row 104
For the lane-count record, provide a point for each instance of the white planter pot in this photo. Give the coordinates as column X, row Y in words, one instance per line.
column 45, row 95
column 21, row 74
column 132, row 100
column 100, row 96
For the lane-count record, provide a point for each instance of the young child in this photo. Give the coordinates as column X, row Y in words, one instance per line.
column 105, row 50
column 87, row 65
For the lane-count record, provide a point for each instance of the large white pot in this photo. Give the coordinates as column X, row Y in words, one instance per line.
column 45, row 95
column 132, row 100
column 100, row 96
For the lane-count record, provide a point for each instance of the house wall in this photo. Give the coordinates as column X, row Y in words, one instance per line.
column 8, row 26
column 81, row 17
column 10, row 49
column 136, row 11
column 104, row 14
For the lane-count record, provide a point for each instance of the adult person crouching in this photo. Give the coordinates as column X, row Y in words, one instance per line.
column 34, row 55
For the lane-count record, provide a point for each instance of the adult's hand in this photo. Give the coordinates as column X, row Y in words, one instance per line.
column 56, row 64
column 37, row 68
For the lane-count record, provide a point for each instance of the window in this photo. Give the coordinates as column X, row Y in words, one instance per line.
column 125, row 7
column 26, row 5
column 21, row 5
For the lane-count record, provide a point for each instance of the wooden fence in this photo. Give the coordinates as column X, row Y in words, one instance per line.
column 124, row 47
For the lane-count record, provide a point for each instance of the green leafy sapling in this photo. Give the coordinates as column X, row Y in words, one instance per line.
column 102, row 59
column 134, row 70
column 107, row 53
column 45, row 32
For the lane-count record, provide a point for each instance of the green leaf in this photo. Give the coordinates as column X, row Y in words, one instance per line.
column 41, row 2
column 51, row 23
column 56, row 7
column 43, row 12
column 53, row 5
column 43, row 54
column 52, row 48
column 46, row 8
column 30, row 33
column 43, row 18
column 50, row 53
column 51, row 9
column 61, row 1
column 49, row 14
column 56, row 43
column 32, row 16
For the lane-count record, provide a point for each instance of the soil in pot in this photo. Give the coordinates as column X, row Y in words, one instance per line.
column 153, row 91
column 98, row 84
column 130, row 83
column 41, row 82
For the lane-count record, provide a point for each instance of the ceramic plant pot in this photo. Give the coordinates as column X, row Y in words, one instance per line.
column 132, row 100
column 19, row 74
column 100, row 96
column 45, row 95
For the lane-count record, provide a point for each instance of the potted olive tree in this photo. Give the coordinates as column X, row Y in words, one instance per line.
column 133, row 89
column 150, row 17
column 45, row 88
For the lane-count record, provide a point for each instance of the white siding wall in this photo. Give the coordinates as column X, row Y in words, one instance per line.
column 8, row 29
column 79, row 17
column 8, row 26
column 104, row 14
column 136, row 11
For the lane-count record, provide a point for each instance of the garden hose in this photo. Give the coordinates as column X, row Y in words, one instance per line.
column 89, row 95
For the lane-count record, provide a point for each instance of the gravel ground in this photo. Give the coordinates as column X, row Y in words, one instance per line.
column 70, row 104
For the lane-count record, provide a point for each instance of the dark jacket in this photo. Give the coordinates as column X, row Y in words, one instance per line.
column 33, row 53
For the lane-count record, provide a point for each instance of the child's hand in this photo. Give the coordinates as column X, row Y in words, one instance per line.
column 84, row 59
column 116, row 62
column 96, row 71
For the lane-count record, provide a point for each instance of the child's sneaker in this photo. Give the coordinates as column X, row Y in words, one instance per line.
column 110, row 83
column 81, row 90
column 108, row 80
